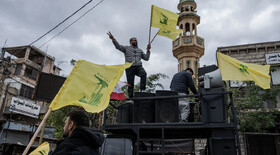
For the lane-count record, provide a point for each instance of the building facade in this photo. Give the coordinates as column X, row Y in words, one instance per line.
column 19, row 113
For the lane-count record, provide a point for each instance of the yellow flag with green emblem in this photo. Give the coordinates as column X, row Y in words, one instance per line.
column 163, row 19
column 89, row 85
column 172, row 34
column 233, row 69
column 43, row 149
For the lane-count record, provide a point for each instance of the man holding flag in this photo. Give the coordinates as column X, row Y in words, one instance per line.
column 133, row 54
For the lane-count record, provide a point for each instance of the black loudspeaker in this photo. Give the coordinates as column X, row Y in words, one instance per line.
column 125, row 113
column 206, row 69
column 222, row 146
column 143, row 110
column 167, row 110
column 222, row 142
column 191, row 115
column 213, row 107
column 48, row 86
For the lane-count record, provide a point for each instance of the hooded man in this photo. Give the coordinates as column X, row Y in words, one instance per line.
column 78, row 137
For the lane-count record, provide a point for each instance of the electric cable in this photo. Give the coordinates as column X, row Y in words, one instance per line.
column 61, row 22
column 72, row 23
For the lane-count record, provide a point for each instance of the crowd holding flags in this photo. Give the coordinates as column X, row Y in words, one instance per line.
column 233, row 69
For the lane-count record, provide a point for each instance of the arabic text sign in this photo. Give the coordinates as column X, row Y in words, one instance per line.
column 24, row 107
column 273, row 58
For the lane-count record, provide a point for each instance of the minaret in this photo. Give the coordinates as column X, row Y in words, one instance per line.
column 188, row 48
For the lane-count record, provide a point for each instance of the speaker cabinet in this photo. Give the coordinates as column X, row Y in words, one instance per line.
column 213, row 106
column 222, row 146
column 125, row 113
column 167, row 110
column 143, row 110
column 48, row 86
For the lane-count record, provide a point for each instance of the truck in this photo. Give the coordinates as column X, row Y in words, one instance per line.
column 150, row 124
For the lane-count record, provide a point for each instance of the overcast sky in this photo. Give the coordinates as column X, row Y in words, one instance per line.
column 223, row 23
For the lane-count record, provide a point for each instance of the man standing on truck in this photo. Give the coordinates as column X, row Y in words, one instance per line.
column 78, row 137
column 133, row 54
column 181, row 82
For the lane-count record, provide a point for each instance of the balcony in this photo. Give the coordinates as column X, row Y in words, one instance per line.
column 188, row 41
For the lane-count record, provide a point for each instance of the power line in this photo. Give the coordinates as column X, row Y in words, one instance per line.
column 61, row 22
column 72, row 23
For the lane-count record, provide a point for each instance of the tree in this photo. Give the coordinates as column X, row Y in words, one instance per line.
column 152, row 82
column 252, row 113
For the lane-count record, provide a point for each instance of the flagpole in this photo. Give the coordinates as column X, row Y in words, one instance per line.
column 36, row 133
column 154, row 37
column 150, row 24
column 99, row 120
column 42, row 134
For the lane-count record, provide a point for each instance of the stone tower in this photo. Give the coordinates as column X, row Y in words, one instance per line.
column 188, row 48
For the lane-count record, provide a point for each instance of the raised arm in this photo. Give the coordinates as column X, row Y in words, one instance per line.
column 147, row 55
column 117, row 45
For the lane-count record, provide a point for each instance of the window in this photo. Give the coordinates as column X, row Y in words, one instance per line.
column 193, row 27
column 18, row 69
column 26, row 91
column 31, row 73
column 188, row 64
column 195, row 66
column 182, row 9
column 188, row 28
column 181, row 26
column 187, row 8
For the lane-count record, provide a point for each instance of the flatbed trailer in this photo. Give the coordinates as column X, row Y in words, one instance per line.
column 222, row 137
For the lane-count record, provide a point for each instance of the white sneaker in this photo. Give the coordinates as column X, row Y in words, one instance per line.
column 129, row 101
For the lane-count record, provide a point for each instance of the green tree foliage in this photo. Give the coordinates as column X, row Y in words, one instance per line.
column 152, row 82
column 250, row 103
column 57, row 118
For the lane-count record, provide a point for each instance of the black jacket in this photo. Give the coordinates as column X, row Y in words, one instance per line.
column 182, row 81
column 83, row 141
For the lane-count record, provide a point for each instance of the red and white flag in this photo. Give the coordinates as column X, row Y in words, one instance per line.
column 117, row 93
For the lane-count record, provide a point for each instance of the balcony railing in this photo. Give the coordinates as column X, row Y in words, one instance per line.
column 188, row 41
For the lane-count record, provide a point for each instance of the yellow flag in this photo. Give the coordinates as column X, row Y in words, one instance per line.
column 172, row 34
column 233, row 69
column 163, row 19
column 89, row 85
column 43, row 149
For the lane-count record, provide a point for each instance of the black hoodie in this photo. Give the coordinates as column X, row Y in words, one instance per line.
column 82, row 141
